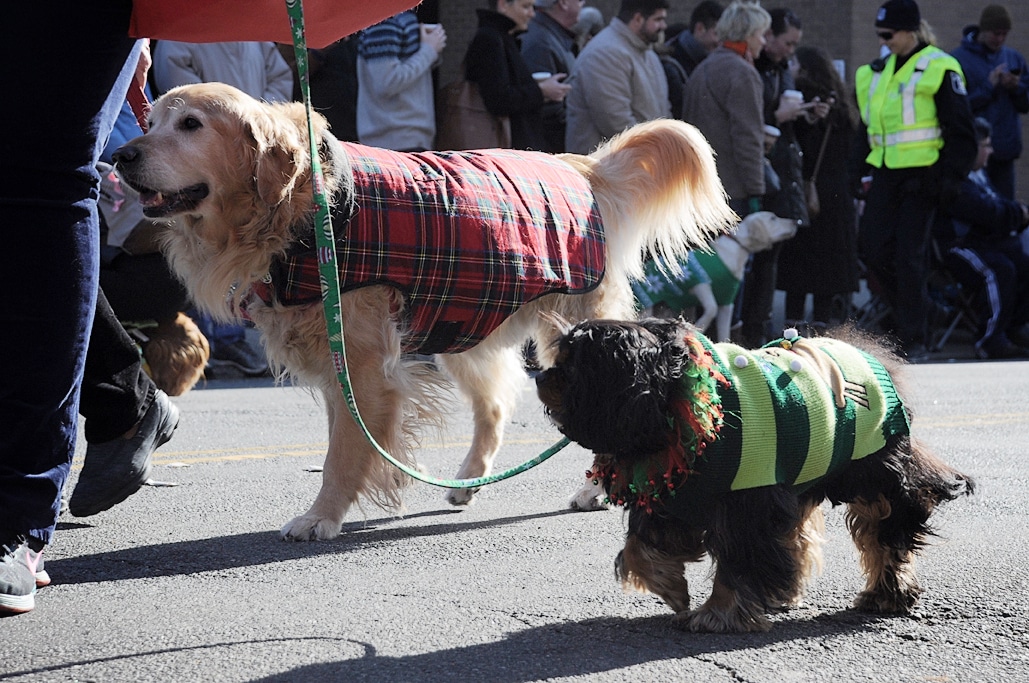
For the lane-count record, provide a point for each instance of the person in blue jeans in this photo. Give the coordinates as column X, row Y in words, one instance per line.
column 69, row 84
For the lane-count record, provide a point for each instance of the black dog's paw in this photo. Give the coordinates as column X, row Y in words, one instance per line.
column 713, row 620
column 891, row 602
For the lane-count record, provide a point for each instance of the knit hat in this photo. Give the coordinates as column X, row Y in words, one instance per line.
column 995, row 18
column 900, row 15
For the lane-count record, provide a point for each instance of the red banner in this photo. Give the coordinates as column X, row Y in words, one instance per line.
column 215, row 21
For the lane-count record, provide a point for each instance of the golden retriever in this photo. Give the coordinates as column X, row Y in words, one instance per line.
column 232, row 177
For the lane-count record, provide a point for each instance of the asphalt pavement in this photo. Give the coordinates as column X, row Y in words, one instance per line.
column 188, row 580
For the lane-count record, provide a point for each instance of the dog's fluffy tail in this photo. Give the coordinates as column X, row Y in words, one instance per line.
column 658, row 192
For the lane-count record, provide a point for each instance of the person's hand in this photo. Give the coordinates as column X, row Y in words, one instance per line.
column 553, row 89
column 821, row 109
column 144, row 64
column 1007, row 80
column 1002, row 76
column 994, row 76
column 791, row 110
column 435, row 36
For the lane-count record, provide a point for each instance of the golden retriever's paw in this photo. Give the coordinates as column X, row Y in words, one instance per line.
column 310, row 528
column 589, row 498
column 461, row 496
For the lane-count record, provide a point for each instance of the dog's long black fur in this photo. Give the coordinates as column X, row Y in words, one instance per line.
column 611, row 391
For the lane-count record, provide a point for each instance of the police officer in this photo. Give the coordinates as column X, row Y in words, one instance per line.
column 921, row 144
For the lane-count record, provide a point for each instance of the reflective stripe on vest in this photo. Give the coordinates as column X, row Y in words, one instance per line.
column 913, row 135
column 900, row 111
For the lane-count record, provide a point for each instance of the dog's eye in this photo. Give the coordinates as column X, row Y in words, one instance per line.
column 191, row 123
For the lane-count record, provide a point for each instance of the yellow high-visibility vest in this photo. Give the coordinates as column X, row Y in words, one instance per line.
column 899, row 110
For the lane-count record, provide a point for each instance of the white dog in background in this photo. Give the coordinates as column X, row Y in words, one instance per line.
column 726, row 264
column 710, row 278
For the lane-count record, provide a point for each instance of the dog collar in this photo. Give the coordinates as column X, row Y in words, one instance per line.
column 695, row 419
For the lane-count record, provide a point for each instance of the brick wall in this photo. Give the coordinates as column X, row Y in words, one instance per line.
column 844, row 28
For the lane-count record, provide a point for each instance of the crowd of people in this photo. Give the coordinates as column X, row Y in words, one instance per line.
column 912, row 161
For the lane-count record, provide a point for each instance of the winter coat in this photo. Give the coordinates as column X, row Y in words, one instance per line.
column 617, row 82
column 998, row 106
column 494, row 62
column 549, row 46
column 687, row 51
column 786, row 157
column 822, row 257
column 724, row 100
column 978, row 216
column 256, row 68
column 459, row 234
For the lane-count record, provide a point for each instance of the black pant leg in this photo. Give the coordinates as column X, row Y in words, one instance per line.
column 116, row 392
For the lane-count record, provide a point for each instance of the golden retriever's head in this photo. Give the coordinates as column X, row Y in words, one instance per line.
column 231, row 175
column 211, row 146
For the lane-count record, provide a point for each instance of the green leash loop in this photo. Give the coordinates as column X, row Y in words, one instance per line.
column 329, row 276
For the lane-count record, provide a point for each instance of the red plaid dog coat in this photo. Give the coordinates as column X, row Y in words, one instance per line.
column 467, row 237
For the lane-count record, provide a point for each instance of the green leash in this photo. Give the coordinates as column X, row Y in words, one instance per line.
column 329, row 276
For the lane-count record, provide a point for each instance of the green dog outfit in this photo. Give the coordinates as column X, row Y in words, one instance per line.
column 792, row 412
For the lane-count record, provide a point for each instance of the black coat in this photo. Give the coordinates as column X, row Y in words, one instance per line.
column 789, row 201
column 822, row 257
column 494, row 61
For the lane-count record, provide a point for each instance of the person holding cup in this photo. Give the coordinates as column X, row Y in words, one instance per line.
column 783, row 105
column 549, row 47
column 396, row 103
column 494, row 62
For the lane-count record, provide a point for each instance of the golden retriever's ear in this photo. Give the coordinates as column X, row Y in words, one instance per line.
column 276, row 175
column 280, row 155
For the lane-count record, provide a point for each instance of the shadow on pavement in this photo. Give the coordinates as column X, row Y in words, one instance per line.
column 254, row 549
column 567, row 649
column 547, row 652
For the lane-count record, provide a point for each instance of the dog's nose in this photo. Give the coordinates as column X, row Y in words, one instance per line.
column 126, row 155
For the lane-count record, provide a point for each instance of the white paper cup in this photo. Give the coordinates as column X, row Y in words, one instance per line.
column 541, row 76
column 794, row 95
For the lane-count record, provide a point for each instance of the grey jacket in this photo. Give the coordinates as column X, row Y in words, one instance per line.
column 617, row 82
column 724, row 99
column 256, row 68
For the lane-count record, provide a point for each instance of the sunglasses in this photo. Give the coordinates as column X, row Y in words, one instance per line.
column 884, row 35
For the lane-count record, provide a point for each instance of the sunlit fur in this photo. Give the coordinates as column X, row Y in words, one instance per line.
column 176, row 352
column 657, row 191
column 611, row 389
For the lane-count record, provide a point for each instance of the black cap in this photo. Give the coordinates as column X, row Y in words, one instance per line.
column 900, row 15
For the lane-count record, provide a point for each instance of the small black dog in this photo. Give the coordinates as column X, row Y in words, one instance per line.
column 716, row 449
